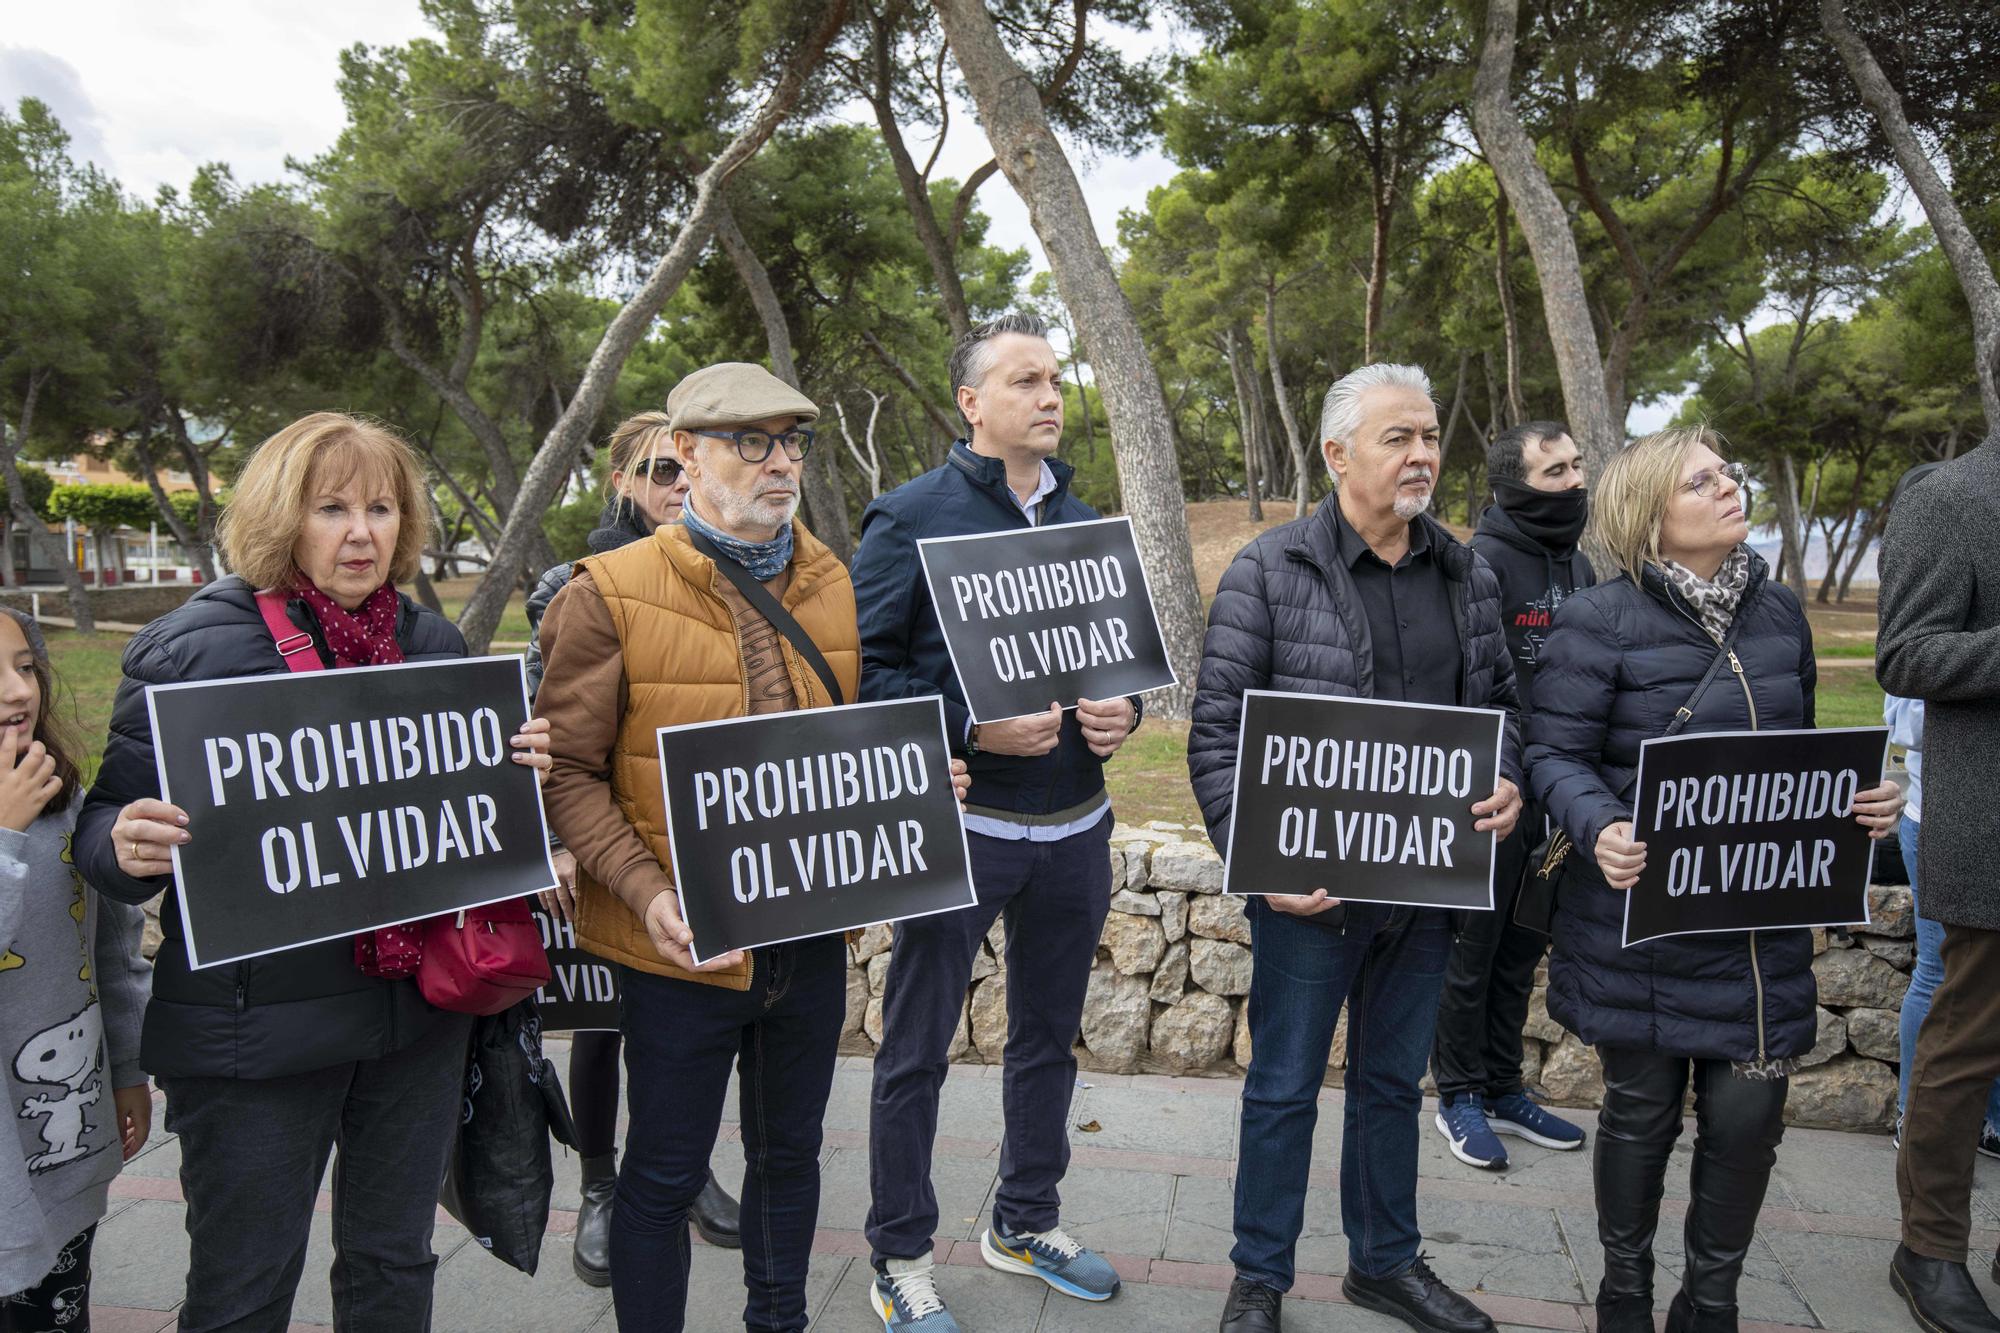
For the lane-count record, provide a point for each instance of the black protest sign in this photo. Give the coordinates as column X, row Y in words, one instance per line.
column 1367, row 799
column 1750, row 830
column 795, row 824
column 1033, row 616
column 582, row 994
column 326, row 803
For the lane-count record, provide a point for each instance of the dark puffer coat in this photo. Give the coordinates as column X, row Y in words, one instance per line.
column 1618, row 663
column 1287, row 616
column 288, row 1012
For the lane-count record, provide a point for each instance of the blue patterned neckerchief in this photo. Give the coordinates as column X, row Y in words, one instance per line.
column 764, row 560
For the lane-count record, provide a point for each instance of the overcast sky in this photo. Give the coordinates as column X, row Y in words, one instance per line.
column 150, row 91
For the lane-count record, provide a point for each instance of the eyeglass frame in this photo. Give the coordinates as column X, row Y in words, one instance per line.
column 771, row 441
column 1735, row 472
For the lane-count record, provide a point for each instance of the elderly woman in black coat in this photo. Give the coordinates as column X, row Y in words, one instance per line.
column 269, row 1063
column 1733, row 1010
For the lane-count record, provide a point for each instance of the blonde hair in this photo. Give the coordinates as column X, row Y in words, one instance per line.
column 1628, row 505
column 632, row 439
column 261, row 524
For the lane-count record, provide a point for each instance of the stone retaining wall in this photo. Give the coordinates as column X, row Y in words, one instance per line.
column 1173, row 967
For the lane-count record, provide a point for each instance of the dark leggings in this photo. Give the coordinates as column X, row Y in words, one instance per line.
column 593, row 1091
column 60, row 1302
column 1738, row 1122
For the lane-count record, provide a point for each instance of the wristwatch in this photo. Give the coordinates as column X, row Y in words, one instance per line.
column 972, row 739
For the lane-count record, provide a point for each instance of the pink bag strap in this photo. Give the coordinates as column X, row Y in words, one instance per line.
column 293, row 643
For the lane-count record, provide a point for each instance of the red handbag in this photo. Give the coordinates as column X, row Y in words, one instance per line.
column 481, row 960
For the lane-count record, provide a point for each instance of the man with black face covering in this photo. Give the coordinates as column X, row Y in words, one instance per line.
column 1529, row 536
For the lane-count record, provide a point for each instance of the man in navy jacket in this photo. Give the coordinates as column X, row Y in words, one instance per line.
column 1038, row 822
column 1370, row 597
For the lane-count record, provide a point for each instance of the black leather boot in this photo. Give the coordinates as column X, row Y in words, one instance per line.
column 1252, row 1307
column 1940, row 1294
column 1418, row 1298
column 1682, row 1317
column 1635, row 1137
column 716, row 1216
column 590, row 1255
column 1624, row 1314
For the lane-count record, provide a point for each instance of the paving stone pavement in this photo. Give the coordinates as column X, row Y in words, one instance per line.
column 1150, row 1186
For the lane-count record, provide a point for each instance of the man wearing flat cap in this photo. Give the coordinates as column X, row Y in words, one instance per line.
column 660, row 633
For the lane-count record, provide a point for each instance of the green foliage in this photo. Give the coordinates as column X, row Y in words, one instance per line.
column 103, row 506
column 38, row 484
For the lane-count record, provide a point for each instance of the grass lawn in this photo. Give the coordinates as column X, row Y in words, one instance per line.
column 87, row 676
column 1148, row 777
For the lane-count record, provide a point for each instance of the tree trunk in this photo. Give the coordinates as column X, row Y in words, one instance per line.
column 1565, row 306
column 1509, row 321
column 51, row 546
column 1457, row 406
column 1975, row 273
column 1246, row 418
column 1878, row 522
column 566, row 438
column 182, row 533
column 203, row 552
column 916, row 194
column 1382, row 199
column 1791, row 554
column 826, row 507
column 1301, row 469
column 945, row 425
column 1142, row 437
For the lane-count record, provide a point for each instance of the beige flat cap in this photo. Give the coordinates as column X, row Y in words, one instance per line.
column 733, row 394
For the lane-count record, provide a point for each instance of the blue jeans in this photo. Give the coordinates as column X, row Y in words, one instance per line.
column 1923, row 981
column 681, row 1037
column 1387, row 965
column 1054, row 897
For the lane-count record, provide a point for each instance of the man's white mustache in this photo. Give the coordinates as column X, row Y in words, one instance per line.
column 1416, row 474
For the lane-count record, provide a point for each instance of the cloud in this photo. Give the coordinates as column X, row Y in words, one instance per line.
column 27, row 72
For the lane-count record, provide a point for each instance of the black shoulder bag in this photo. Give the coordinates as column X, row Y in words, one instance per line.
column 767, row 606
column 1535, row 904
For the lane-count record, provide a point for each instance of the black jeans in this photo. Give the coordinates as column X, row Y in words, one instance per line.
column 253, row 1152
column 681, row 1037
column 593, row 1092
column 1054, row 897
column 1486, row 986
column 60, row 1302
column 1738, row 1122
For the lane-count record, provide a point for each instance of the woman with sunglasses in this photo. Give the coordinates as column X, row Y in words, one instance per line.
column 1732, row 1010
column 645, row 488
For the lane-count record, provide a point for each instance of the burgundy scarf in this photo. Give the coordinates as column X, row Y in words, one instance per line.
column 366, row 636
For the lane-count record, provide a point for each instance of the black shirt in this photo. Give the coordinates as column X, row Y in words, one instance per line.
column 1417, row 657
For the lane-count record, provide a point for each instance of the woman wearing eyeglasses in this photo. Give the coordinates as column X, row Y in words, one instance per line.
column 644, row 489
column 1732, row 1010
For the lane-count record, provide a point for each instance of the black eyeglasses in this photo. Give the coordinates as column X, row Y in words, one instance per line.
column 660, row 468
column 754, row 446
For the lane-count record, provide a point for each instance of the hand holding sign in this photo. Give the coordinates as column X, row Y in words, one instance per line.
column 1302, row 904
column 1879, row 808
column 1500, row 811
column 1031, row 734
column 1106, row 723
column 674, row 941
column 145, row 835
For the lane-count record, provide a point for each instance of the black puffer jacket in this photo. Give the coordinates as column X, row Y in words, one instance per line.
column 620, row 524
column 286, row 1013
column 1288, row 617
column 1619, row 662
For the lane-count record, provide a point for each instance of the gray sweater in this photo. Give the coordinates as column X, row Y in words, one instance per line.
column 72, row 991
column 1940, row 642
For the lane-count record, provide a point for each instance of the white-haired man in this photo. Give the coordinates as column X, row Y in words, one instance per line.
column 1368, row 597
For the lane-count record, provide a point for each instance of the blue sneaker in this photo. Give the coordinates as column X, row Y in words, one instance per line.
column 1053, row 1257
column 1517, row 1114
column 1462, row 1121
column 905, row 1299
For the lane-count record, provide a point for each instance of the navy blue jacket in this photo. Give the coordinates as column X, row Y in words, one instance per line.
column 288, row 1012
column 903, row 654
column 1287, row 617
column 1618, row 663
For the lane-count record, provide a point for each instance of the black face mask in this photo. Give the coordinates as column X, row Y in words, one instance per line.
column 1553, row 518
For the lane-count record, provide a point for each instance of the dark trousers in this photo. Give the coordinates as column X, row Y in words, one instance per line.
column 60, row 1302
column 1387, row 966
column 1053, row 897
column 253, row 1152
column 1958, row 1054
column 1738, row 1123
column 1486, row 986
column 681, row 1038
column 593, row 1092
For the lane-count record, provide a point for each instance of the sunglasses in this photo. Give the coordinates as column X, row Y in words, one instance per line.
column 660, row 468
